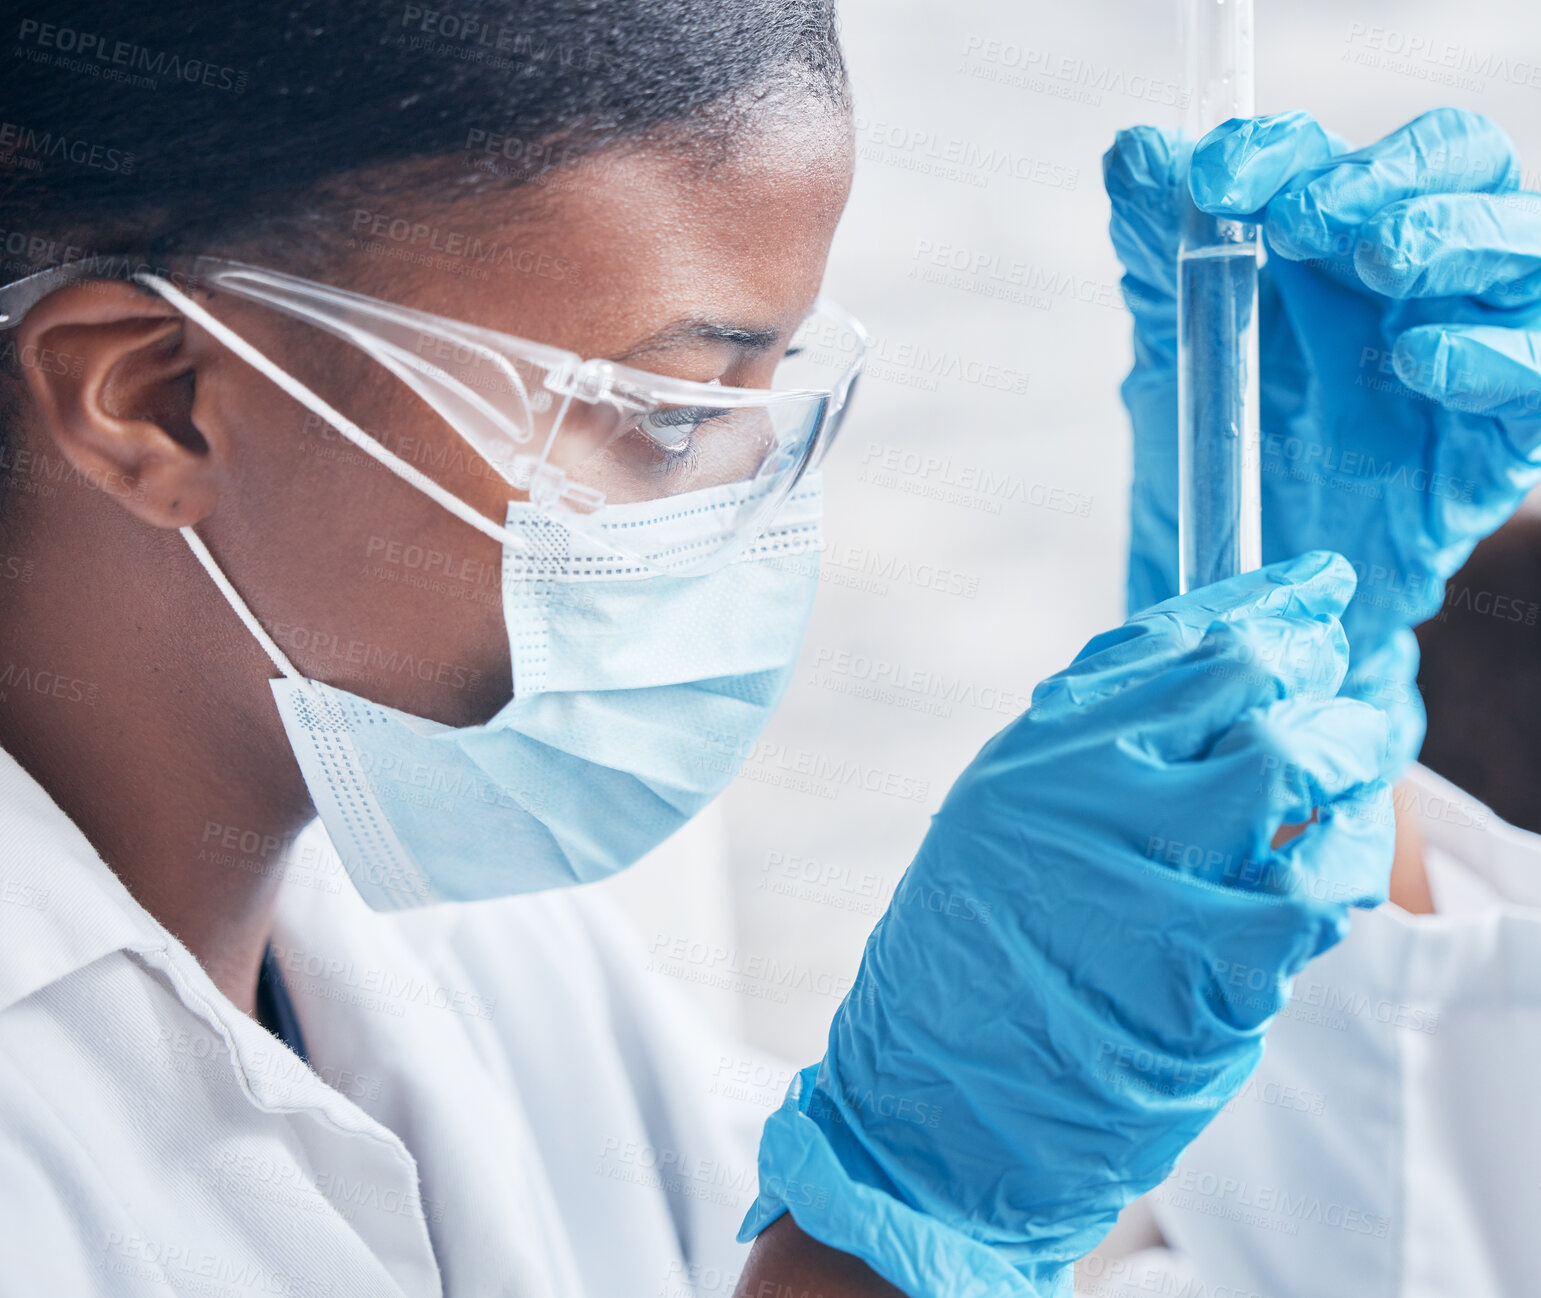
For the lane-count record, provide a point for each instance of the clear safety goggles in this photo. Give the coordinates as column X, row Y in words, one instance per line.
column 576, row 435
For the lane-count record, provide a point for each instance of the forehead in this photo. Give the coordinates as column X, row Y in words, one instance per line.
column 607, row 251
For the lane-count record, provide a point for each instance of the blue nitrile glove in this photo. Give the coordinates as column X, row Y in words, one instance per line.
column 1074, row 975
column 1400, row 338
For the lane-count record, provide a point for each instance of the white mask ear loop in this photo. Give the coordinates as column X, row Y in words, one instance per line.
column 339, row 421
column 242, row 611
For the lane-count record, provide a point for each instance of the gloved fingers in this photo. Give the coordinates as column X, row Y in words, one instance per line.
column 1186, row 668
column 1383, row 668
column 1145, row 173
column 1284, row 763
column 1484, row 458
column 1311, row 204
column 1296, row 757
column 1383, row 671
column 1478, row 370
column 1295, row 656
column 1240, row 166
column 1344, row 857
column 1316, row 584
column 1242, row 667
column 1485, row 246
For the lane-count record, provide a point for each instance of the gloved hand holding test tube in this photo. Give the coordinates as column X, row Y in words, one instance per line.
column 1219, row 510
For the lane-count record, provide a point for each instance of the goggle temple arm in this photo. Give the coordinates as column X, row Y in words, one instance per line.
column 287, row 383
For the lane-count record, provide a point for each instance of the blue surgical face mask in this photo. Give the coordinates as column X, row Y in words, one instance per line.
column 636, row 696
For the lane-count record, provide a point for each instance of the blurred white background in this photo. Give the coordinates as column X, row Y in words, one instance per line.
column 976, row 502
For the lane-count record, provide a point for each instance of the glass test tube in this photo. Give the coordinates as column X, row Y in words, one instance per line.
column 1219, row 500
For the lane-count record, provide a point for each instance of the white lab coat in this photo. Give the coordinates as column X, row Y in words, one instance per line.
column 510, row 1106
column 1389, row 1146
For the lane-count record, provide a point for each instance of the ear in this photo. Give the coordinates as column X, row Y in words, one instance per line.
column 113, row 372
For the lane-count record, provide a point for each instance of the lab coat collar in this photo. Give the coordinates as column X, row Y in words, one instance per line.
column 1504, row 857
column 61, row 907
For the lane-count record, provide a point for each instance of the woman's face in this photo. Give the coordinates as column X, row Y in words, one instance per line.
column 641, row 257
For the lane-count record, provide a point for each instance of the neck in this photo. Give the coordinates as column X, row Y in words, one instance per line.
column 157, row 735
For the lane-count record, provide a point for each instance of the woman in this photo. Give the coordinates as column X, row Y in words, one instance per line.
column 519, row 285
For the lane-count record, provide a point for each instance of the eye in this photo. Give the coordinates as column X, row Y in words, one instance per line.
column 673, row 428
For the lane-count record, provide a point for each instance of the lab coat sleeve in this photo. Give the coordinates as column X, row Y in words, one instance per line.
column 647, row 1130
column 707, row 1094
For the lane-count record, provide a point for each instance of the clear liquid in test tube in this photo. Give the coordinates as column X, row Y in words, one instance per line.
column 1219, row 504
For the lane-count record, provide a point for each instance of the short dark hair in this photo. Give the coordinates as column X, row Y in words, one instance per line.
column 150, row 128
column 1481, row 675
column 132, row 132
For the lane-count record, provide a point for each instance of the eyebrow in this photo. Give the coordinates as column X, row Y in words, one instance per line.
column 681, row 333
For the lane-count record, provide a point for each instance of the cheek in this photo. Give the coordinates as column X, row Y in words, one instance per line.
column 371, row 586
